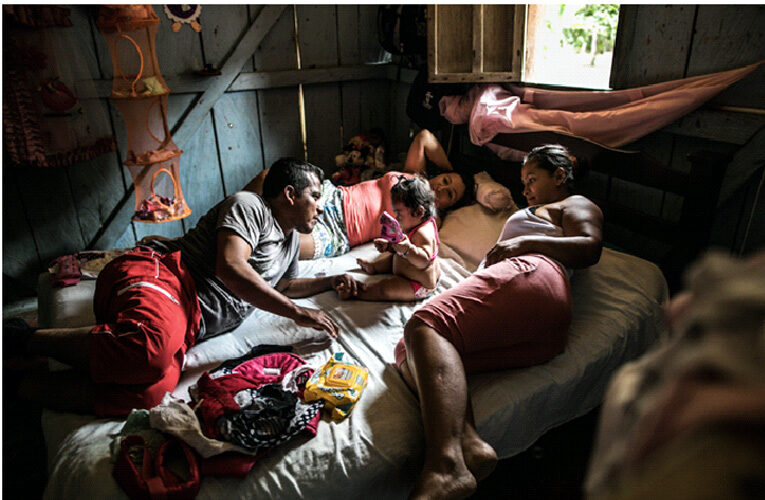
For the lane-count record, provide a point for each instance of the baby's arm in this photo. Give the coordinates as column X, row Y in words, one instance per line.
column 419, row 249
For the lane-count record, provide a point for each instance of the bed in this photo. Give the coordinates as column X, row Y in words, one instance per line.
column 379, row 448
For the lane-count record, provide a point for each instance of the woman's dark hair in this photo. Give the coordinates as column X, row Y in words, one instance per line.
column 289, row 172
column 469, row 196
column 414, row 193
column 551, row 157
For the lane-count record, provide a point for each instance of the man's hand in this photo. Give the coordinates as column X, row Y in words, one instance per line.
column 346, row 285
column 366, row 266
column 504, row 250
column 316, row 319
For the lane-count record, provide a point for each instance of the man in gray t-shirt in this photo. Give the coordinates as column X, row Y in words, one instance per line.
column 268, row 227
column 243, row 254
column 274, row 256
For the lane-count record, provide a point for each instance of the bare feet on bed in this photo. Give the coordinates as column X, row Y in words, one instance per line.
column 455, row 483
column 480, row 457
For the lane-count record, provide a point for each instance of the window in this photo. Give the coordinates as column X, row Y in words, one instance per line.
column 552, row 44
column 570, row 45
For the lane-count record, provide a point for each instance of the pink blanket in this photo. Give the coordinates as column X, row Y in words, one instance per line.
column 611, row 118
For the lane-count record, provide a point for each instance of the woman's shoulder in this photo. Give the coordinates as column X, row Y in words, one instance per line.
column 582, row 205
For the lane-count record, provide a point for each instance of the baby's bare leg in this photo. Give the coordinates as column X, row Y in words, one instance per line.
column 394, row 289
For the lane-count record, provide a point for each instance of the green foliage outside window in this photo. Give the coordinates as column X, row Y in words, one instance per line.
column 595, row 29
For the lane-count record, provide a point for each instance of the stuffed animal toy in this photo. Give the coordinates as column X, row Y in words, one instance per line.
column 356, row 157
column 363, row 158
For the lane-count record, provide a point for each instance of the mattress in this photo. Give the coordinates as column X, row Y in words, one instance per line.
column 379, row 448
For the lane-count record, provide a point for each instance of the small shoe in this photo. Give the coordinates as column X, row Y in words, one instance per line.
column 16, row 334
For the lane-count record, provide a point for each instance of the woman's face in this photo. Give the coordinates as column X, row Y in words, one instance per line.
column 449, row 189
column 540, row 186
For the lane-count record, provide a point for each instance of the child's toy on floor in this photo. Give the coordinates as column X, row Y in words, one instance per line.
column 339, row 384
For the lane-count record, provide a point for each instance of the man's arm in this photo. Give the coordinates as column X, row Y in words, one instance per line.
column 233, row 269
column 305, row 287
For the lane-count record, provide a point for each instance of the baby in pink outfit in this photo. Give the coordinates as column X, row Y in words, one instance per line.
column 412, row 260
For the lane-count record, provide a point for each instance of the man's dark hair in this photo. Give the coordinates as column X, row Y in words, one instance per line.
column 413, row 193
column 289, row 172
column 551, row 157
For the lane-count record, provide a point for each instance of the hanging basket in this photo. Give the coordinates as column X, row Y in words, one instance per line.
column 156, row 208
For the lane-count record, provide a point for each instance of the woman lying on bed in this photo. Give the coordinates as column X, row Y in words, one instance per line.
column 514, row 311
column 351, row 213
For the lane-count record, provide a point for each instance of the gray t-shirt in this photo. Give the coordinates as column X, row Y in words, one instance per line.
column 274, row 256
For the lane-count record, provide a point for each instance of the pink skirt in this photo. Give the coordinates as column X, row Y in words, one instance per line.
column 512, row 314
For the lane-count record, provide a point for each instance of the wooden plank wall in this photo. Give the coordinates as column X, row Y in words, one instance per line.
column 665, row 42
column 52, row 212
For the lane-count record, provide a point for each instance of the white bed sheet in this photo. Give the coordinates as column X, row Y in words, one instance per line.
column 379, row 448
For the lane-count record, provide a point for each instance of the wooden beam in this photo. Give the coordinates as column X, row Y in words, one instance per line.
column 188, row 125
column 291, row 78
column 262, row 80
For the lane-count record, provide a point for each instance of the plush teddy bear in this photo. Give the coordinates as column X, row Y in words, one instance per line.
column 363, row 158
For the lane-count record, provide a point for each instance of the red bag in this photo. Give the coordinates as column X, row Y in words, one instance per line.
column 154, row 480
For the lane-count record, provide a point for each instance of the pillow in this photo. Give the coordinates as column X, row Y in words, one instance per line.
column 493, row 195
column 471, row 231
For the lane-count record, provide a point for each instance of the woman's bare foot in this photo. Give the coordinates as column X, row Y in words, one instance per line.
column 437, row 485
column 480, row 457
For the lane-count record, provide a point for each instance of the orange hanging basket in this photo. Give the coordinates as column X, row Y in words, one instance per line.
column 140, row 93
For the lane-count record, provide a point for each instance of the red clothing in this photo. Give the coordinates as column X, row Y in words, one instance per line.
column 147, row 317
column 363, row 204
column 514, row 313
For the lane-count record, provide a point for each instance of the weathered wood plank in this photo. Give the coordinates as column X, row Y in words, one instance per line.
column 375, row 105
column 279, row 112
column 20, row 256
column 753, row 221
column 369, row 46
column 222, row 26
column 237, row 127
column 652, row 44
column 728, row 37
column 723, row 126
column 51, row 211
column 744, row 163
column 317, row 36
column 97, row 185
column 200, row 173
column 349, row 53
column 183, row 131
column 261, row 80
column 400, row 123
column 177, row 53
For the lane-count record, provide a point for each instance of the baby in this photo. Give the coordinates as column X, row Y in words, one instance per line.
column 413, row 259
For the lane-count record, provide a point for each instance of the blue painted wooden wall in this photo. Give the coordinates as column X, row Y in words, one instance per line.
column 52, row 212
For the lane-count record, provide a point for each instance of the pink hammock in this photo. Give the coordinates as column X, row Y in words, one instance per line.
column 611, row 118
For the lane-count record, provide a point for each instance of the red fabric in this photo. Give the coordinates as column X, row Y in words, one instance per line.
column 514, row 313
column 153, row 479
column 217, row 395
column 141, row 337
column 363, row 204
